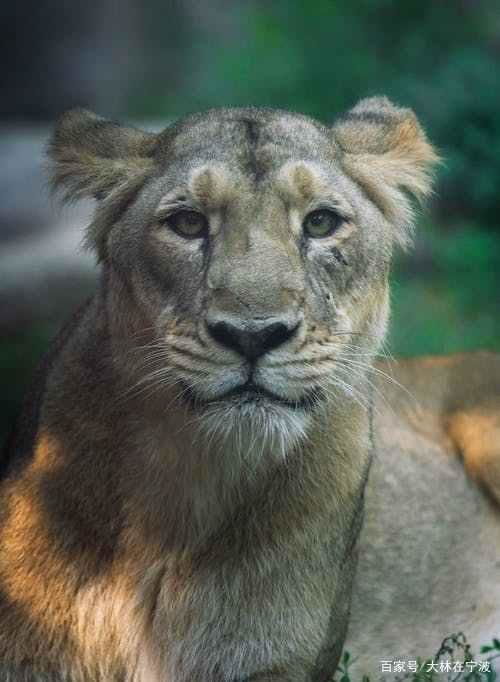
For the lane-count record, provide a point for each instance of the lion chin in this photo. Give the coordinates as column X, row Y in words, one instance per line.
column 250, row 420
column 253, row 423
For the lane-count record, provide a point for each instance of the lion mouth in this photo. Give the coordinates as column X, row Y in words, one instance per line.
column 251, row 393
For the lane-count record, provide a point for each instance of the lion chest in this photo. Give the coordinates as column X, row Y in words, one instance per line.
column 240, row 619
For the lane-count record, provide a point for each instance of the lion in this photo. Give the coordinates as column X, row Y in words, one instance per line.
column 183, row 495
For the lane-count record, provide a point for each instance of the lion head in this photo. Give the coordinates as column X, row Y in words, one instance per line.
column 246, row 255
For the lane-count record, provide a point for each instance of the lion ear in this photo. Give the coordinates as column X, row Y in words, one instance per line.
column 93, row 157
column 385, row 150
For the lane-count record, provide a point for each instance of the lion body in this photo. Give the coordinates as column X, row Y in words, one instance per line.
column 429, row 562
column 102, row 579
column 183, row 496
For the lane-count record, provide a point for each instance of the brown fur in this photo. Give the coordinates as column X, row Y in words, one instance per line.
column 155, row 524
column 477, row 435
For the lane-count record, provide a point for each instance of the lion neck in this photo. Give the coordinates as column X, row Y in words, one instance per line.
column 184, row 492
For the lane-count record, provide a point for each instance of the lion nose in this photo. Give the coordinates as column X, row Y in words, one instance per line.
column 252, row 338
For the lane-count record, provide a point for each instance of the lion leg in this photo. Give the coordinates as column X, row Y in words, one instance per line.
column 476, row 433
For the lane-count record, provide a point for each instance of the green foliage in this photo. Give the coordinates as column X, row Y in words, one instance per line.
column 454, row 653
column 468, row 132
column 445, row 294
column 19, row 355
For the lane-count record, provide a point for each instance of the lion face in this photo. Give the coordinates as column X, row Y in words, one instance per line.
column 256, row 245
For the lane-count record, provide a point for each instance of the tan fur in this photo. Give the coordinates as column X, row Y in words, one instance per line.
column 163, row 518
column 477, row 435
column 430, row 546
column 467, row 421
column 385, row 155
column 211, row 186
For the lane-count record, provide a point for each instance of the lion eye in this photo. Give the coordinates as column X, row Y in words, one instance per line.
column 321, row 223
column 189, row 224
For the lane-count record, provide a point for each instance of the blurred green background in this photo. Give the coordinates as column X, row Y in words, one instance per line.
column 440, row 57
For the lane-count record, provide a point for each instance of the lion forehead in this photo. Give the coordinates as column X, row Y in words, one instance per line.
column 253, row 140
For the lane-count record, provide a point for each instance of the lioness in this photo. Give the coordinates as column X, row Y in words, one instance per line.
column 183, row 496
